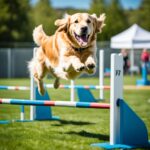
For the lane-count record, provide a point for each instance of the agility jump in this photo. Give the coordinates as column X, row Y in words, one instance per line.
column 36, row 113
column 85, row 89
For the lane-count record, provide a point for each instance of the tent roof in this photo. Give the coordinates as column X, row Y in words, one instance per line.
column 133, row 37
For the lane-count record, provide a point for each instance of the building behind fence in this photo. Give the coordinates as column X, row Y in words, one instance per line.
column 13, row 61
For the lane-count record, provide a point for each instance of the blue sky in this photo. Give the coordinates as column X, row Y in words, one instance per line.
column 86, row 3
column 130, row 3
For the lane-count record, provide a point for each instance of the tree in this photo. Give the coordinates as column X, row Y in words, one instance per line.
column 115, row 17
column 44, row 14
column 98, row 7
column 143, row 14
column 116, row 20
column 14, row 20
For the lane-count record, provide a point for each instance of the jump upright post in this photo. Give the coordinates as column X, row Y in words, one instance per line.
column 101, row 73
column 72, row 91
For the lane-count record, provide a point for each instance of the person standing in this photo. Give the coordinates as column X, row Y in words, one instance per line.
column 145, row 58
column 126, row 60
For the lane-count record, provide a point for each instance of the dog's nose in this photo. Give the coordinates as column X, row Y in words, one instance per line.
column 84, row 30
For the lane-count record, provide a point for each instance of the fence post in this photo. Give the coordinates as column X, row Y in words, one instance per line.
column 9, row 69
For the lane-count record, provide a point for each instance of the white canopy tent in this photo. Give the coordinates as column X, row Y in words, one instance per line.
column 132, row 38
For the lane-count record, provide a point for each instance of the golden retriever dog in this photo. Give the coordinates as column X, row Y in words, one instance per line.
column 69, row 52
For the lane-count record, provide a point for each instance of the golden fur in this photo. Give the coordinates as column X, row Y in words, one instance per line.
column 69, row 52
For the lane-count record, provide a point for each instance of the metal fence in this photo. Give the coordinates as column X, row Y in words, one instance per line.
column 13, row 61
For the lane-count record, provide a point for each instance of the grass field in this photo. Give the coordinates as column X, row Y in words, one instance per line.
column 76, row 129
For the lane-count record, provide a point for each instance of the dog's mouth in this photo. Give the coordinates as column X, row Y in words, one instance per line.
column 82, row 39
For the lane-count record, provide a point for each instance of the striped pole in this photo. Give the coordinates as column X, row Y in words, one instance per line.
column 3, row 87
column 62, row 86
column 55, row 103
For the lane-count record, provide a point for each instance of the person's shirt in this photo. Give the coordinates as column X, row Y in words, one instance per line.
column 145, row 56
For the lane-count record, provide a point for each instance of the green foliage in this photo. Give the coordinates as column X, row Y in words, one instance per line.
column 115, row 17
column 143, row 14
column 97, row 7
column 43, row 13
column 18, row 17
column 14, row 20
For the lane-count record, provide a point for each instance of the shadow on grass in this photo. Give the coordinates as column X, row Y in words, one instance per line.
column 90, row 135
column 69, row 122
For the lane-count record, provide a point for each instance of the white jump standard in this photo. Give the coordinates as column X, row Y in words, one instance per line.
column 127, row 130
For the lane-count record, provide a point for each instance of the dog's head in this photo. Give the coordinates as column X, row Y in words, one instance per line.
column 81, row 27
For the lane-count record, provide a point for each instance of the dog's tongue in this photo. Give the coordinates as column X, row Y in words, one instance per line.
column 83, row 38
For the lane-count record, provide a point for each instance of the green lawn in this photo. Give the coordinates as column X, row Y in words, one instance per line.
column 76, row 129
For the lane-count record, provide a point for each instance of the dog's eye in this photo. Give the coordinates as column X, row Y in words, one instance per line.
column 88, row 21
column 76, row 21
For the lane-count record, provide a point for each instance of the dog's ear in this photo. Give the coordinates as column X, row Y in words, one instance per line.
column 99, row 21
column 62, row 23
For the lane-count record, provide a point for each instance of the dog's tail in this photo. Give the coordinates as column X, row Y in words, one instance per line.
column 39, row 35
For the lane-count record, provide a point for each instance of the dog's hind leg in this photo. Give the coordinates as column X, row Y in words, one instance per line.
column 38, row 74
column 40, row 85
column 56, row 83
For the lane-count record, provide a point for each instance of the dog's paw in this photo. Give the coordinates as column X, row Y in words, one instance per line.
column 41, row 89
column 79, row 67
column 91, row 66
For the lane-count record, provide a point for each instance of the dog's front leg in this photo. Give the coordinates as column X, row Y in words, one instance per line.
column 90, row 64
column 60, row 73
column 75, row 63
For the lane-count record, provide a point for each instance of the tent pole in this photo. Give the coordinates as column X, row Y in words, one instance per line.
column 131, row 60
